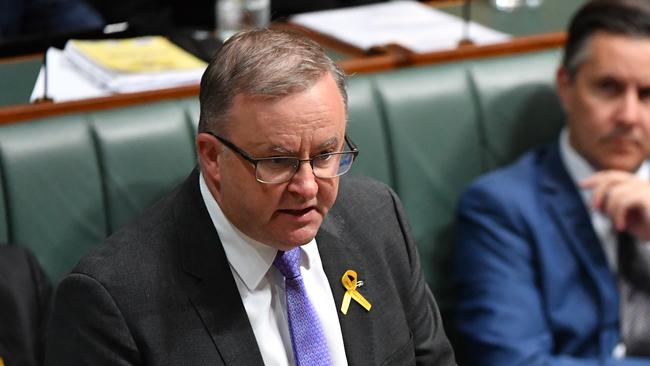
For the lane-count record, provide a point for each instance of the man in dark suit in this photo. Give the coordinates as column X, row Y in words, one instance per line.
column 25, row 295
column 259, row 257
column 550, row 249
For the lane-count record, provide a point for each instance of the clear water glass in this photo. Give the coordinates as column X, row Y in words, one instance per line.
column 233, row 16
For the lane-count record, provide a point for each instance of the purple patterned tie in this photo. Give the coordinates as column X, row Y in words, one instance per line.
column 307, row 337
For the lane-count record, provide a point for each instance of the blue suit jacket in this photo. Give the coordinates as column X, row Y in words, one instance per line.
column 533, row 283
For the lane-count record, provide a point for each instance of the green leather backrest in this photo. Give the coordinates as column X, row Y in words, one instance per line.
column 432, row 123
column 143, row 152
column 4, row 235
column 68, row 182
column 366, row 127
column 192, row 112
column 54, row 198
column 518, row 104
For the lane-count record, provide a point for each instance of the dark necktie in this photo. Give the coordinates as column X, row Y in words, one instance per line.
column 634, row 287
column 307, row 336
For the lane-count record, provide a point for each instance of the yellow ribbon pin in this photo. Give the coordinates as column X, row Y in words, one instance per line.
column 349, row 281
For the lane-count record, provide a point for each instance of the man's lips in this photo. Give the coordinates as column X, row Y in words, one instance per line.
column 298, row 212
column 624, row 144
column 623, row 139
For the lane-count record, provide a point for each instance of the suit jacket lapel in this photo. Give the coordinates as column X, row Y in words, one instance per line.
column 211, row 287
column 339, row 253
column 571, row 216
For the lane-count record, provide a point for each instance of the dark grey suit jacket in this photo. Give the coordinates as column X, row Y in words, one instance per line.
column 160, row 291
column 24, row 299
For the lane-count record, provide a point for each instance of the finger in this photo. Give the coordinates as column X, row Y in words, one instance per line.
column 627, row 199
column 601, row 183
column 601, row 192
column 603, row 177
column 617, row 207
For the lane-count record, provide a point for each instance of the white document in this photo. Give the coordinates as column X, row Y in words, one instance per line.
column 418, row 27
column 64, row 81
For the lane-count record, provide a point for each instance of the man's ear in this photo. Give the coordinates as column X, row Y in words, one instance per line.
column 208, row 150
column 564, row 87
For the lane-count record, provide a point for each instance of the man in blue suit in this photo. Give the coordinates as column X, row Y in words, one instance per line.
column 541, row 237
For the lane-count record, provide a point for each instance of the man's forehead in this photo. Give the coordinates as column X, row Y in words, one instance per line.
column 312, row 120
column 614, row 53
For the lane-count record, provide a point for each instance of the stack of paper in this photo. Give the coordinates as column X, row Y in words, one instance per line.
column 64, row 82
column 135, row 64
column 415, row 26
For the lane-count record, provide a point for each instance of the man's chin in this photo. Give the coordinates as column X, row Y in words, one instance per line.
column 297, row 238
column 622, row 162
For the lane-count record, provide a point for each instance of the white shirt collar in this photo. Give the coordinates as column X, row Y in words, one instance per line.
column 578, row 168
column 249, row 258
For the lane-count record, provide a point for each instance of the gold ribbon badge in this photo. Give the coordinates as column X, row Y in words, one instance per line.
column 349, row 281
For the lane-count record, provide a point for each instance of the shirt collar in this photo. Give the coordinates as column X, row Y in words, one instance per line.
column 249, row 258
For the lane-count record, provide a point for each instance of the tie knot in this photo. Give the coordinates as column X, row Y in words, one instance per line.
column 288, row 263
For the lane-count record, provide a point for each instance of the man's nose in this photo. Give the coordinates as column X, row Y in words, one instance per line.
column 304, row 181
column 629, row 110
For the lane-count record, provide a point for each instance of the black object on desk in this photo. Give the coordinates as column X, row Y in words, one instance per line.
column 201, row 43
column 198, row 42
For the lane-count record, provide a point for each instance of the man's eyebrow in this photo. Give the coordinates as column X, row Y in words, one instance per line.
column 280, row 150
column 327, row 144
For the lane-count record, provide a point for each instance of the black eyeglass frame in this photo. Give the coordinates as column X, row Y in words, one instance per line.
column 354, row 150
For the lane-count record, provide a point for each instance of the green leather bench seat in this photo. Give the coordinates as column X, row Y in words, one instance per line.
column 518, row 105
column 192, row 111
column 434, row 135
column 4, row 235
column 72, row 180
column 142, row 152
column 69, row 181
column 367, row 128
column 53, row 189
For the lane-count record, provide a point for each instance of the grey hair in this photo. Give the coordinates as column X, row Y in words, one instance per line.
column 264, row 62
column 621, row 17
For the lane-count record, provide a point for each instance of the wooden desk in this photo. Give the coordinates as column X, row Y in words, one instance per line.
column 24, row 112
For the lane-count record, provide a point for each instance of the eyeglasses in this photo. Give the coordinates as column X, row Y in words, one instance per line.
column 280, row 169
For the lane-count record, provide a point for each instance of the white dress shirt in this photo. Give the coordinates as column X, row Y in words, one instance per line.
column 261, row 287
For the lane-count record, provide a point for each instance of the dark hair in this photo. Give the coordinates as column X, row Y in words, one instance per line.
column 621, row 17
column 263, row 62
